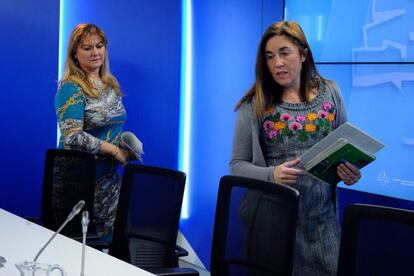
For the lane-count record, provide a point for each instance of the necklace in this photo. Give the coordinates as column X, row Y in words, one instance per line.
column 99, row 86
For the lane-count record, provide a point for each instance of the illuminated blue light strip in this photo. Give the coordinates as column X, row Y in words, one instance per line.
column 185, row 89
column 185, row 101
column 61, row 39
column 320, row 18
column 61, row 58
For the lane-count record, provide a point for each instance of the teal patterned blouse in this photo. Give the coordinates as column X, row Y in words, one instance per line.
column 85, row 123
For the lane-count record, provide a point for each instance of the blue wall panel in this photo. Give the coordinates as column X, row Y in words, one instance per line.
column 144, row 53
column 371, row 109
column 378, row 96
column 28, row 74
column 373, row 30
column 225, row 39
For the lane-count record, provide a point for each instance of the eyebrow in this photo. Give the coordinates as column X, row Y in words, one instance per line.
column 285, row 48
column 280, row 50
column 90, row 45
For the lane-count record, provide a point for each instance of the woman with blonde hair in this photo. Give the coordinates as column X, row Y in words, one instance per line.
column 91, row 117
column 289, row 108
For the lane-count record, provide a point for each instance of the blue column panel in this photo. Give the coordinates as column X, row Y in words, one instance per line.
column 225, row 39
column 29, row 63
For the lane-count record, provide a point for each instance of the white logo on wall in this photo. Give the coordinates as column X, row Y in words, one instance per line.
column 382, row 178
column 387, row 46
column 404, row 182
column 382, row 50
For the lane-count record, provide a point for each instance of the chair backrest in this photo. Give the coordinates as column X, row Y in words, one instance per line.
column 254, row 228
column 69, row 176
column 376, row 240
column 148, row 216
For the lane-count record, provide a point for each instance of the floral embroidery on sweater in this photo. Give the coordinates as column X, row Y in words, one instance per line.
column 312, row 125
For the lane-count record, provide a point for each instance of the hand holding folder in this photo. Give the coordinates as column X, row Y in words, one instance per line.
column 132, row 144
column 346, row 143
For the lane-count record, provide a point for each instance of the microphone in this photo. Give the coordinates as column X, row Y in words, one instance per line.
column 85, row 223
column 76, row 209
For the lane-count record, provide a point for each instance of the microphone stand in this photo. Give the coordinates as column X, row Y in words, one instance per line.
column 76, row 209
column 85, row 223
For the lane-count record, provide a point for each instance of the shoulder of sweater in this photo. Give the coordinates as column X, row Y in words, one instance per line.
column 69, row 86
column 246, row 108
column 68, row 90
column 330, row 84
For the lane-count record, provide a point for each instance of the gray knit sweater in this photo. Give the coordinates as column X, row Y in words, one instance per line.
column 247, row 155
column 256, row 152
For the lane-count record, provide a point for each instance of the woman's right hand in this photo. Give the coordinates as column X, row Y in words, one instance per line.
column 122, row 156
column 114, row 151
column 285, row 173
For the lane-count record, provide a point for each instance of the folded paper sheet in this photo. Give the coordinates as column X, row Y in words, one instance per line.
column 131, row 143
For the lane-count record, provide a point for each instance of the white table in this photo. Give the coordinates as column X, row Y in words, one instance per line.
column 20, row 240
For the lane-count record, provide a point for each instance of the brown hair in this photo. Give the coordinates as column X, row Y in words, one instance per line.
column 74, row 72
column 265, row 90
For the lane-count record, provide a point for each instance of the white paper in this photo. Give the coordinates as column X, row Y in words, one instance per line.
column 346, row 131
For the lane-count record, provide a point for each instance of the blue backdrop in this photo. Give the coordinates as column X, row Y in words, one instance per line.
column 144, row 53
column 225, row 39
column 144, row 50
column 29, row 49
column 369, row 51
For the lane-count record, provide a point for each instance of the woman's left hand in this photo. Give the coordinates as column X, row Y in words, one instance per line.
column 348, row 173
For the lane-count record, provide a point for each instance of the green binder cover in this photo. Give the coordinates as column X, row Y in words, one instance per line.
column 326, row 169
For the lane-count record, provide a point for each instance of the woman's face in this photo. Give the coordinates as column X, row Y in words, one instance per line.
column 284, row 61
column 91, row 53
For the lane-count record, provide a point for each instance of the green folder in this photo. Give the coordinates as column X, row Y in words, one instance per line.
column 324, row 166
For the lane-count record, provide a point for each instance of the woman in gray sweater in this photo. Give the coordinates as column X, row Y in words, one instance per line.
column 289, row 108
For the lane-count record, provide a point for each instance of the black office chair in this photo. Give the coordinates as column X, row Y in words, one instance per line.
column 69, row 176
column 376, row 240
column 248, row 240
column 148, row 215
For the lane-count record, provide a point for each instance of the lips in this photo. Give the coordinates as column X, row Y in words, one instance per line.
column 281, row 74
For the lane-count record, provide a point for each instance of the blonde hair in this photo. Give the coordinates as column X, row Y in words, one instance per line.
column 265, row 90
column 73, row 71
